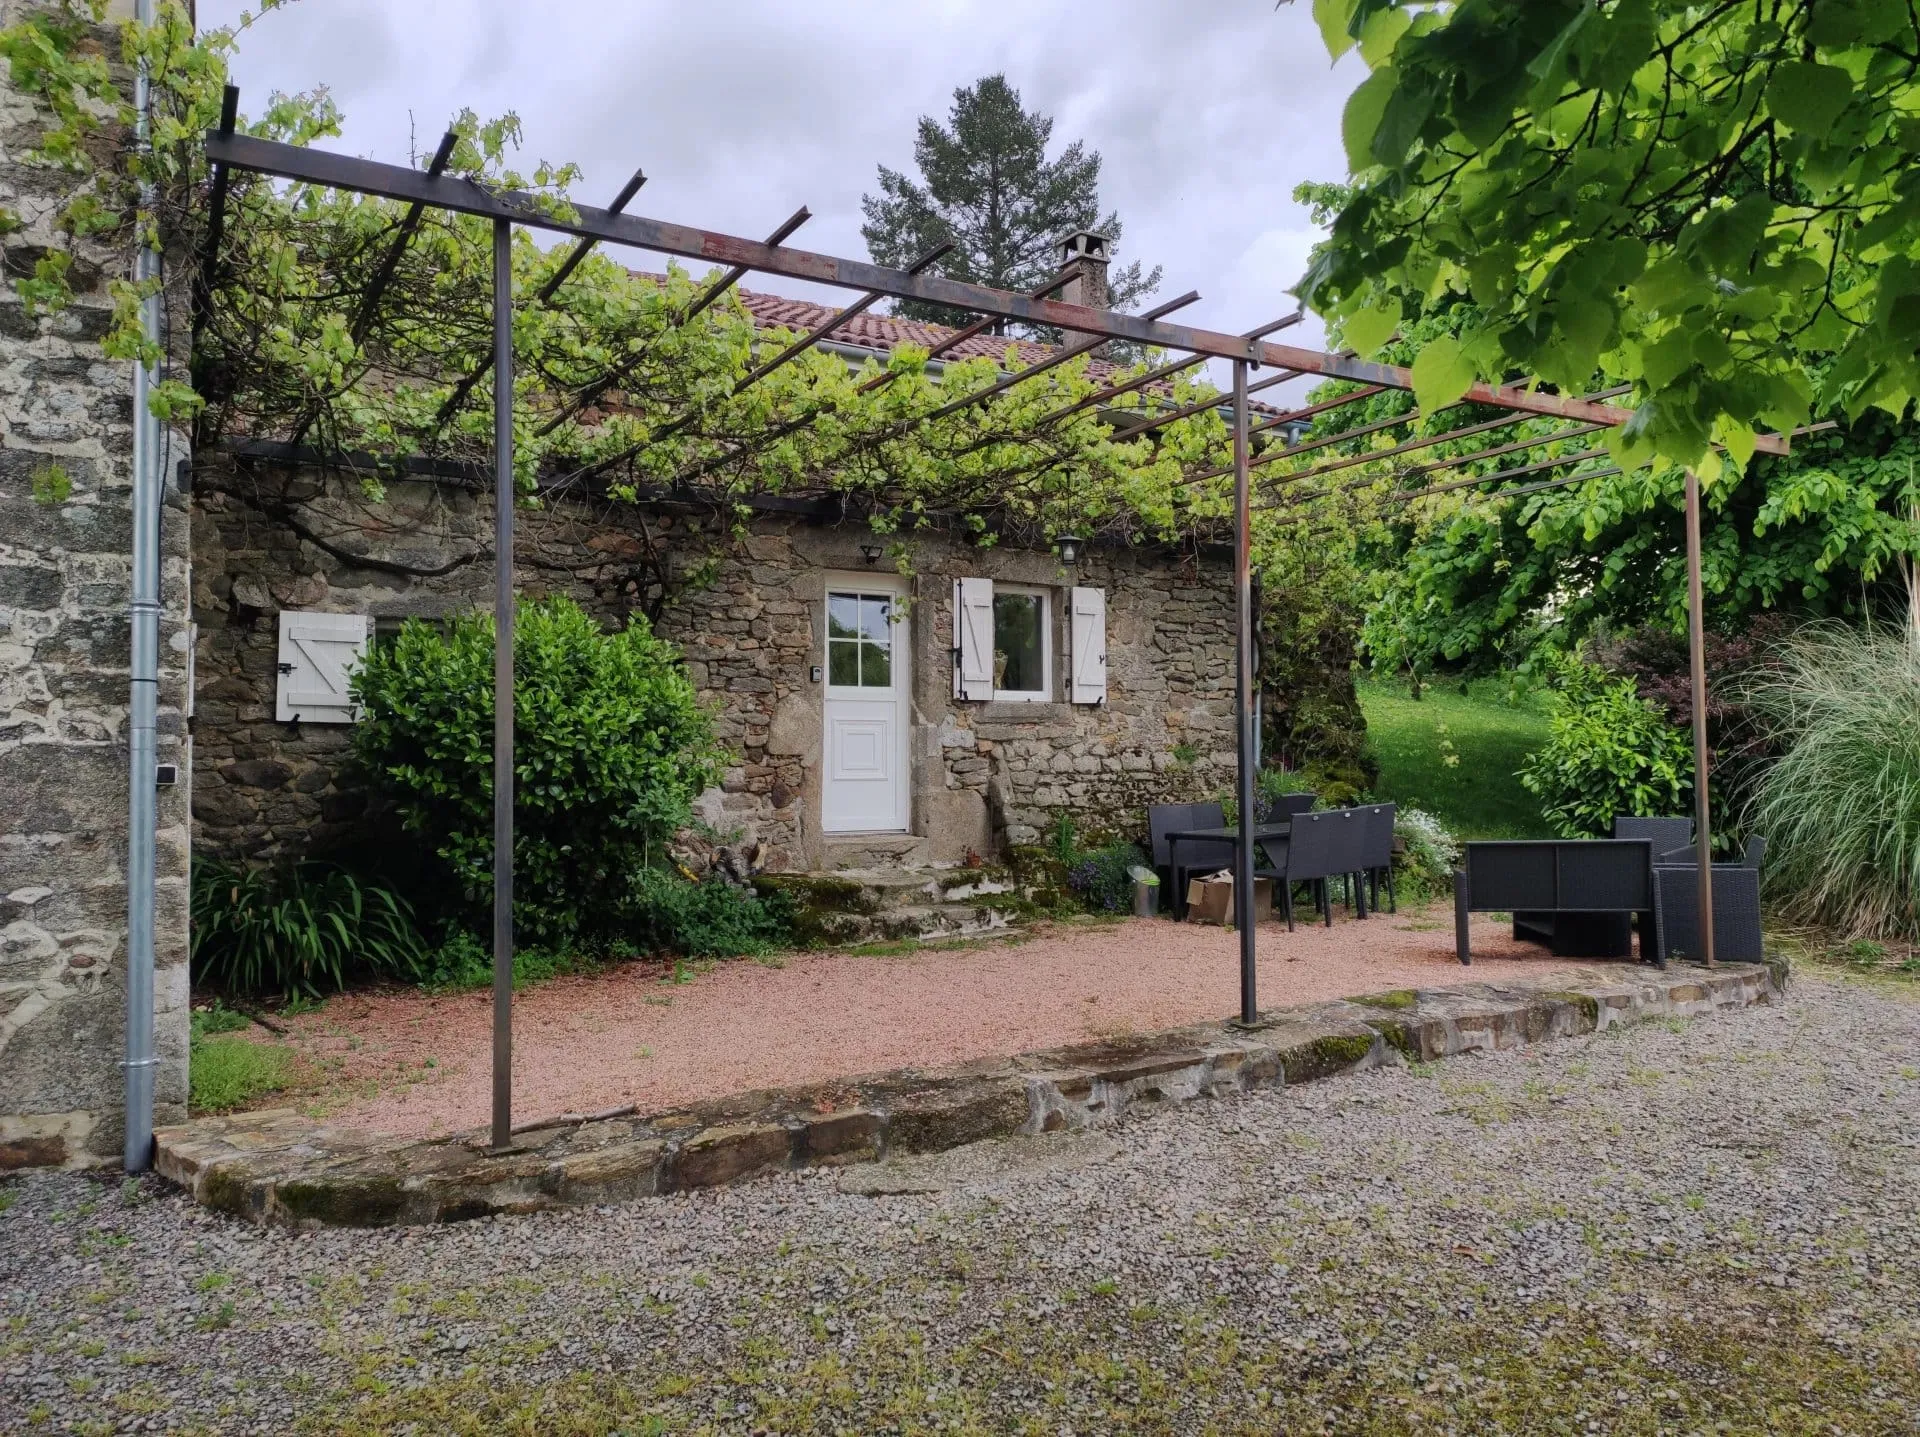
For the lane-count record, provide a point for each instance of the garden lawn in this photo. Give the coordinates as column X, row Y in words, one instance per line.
column 1480, row 796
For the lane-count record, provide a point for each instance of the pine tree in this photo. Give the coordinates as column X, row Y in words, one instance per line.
column 988, row 186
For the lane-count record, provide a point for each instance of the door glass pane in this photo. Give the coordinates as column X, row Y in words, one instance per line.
column 843, row 616
column 1019, row 653
column 843, row 663
column 876, row 666
column 874, row 619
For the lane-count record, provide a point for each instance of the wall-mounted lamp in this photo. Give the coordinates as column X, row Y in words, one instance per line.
column 871, row 553
column 1069, row 547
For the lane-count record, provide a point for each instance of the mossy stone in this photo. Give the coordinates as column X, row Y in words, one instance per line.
column 821, row 909
column 1324, row 1056
column 358, row 1200
column 1398, row 998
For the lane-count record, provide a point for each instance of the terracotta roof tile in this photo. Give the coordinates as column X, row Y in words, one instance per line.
column 882, row 332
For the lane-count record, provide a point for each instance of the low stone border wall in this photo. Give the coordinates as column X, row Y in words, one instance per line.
column 278, row 1167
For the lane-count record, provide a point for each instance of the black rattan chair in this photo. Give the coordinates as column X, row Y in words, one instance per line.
column 1309, row 857
column 1754, row 857
column 1736, row 912
column 1351, row 830
column 1665, row 834
column 1580, row 895
column 1195, row 857
column 1379, row 819
column 1280, row 809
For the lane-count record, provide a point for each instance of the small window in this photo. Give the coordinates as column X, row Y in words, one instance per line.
column 1022, row 645
column 860, row 641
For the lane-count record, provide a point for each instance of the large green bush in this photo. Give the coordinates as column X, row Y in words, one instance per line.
column 1840, row 808
column 1608, row 752
column 611, row 745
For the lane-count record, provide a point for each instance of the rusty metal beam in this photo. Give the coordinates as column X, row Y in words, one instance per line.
column 370, row 300
column 879, row 381
column 625, row 367
column 1164, row 371
column 1199, row 407
column 314, row 166
column 793, row 351
column 541, row 296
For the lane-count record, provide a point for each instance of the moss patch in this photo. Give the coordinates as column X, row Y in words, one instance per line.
column 1399, row 998
column 1588, row 1005
column 822, row 910
column 1321, row 1057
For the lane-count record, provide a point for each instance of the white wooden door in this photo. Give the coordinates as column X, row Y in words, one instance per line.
column 865, row 722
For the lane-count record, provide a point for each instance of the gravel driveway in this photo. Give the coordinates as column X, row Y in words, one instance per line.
column 1678, row 1228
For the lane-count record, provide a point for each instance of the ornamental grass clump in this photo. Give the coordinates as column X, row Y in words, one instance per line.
column 1840, row 807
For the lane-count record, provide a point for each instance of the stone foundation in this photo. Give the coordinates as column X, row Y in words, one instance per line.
column 279, row 1168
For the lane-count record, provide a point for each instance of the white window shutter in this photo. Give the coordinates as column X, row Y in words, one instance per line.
column 973, row 637
column 317, row 656
column 1089, row 685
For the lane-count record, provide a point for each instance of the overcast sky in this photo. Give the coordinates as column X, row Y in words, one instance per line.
column 1206, row 112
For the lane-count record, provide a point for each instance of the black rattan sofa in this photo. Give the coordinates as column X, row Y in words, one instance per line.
column 1578, row 895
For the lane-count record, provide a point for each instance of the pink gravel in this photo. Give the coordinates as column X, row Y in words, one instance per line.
column 629, row 1036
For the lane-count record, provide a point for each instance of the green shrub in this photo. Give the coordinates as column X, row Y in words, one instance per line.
column 611, row 745
column 224, row 1073
column 464, row 961
column 1841, row 807
column 1608, row 752
column 305, row 929
column 709, row 919
column 1103, row 877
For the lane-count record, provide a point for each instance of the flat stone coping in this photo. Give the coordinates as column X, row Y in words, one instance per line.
column 276, row 1167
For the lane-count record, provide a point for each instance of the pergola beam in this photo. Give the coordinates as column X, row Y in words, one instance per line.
column 541, row 296
column 399, row 182
column 792, row 352
column 619, row 372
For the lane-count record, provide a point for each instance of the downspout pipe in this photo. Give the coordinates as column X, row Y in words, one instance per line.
column 144, row 613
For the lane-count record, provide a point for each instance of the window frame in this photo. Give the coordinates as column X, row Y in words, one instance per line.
column 1043, row 694
column 895, row 626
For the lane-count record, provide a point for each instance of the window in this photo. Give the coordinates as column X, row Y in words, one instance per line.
column 860, row 641
column 1022, row 645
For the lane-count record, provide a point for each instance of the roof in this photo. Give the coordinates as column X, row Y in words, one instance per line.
column 882, row 333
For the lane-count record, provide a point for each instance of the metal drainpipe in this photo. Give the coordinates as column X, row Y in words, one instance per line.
column 144, row 699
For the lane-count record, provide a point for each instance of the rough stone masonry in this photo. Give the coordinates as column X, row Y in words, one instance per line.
column 66, row 448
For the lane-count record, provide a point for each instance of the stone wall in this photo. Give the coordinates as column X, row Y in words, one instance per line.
column 748, row 614
column 65, row 577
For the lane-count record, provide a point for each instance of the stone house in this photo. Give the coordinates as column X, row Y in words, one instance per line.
column 886, row 709
column 877, row 717
column 881, row 713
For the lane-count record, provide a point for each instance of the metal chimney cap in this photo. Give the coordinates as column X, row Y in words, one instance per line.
column 1086, row 244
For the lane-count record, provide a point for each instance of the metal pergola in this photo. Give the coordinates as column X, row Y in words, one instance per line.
column 228, row 150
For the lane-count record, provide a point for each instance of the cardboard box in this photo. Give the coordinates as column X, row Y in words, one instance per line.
column 1210, row 899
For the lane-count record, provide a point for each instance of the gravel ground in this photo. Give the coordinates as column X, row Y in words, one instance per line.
column 1673, row 1228
column 627, row 1036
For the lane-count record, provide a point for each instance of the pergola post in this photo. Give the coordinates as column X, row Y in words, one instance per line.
column 1243, row 695
column 502, row 683
column 1697, row 667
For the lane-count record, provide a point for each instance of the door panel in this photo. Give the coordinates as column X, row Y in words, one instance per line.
column 865, row 786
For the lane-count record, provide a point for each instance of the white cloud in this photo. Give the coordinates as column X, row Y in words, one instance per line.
column 1206, row 115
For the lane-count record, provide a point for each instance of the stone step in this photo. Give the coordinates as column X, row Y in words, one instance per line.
column 891, row 889
column 864, row 905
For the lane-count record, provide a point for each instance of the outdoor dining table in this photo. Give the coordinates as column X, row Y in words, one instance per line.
column 1229, row 835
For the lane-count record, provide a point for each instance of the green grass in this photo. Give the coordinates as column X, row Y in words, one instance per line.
column 224, row 1073
column 1479, row 796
